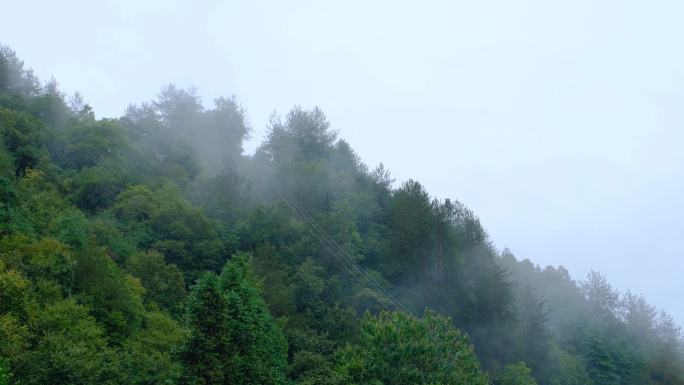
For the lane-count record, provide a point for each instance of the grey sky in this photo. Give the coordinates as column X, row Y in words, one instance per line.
column 559, row 122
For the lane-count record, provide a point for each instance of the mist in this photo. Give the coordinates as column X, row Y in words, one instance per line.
column 513, row 167
column 558, row 124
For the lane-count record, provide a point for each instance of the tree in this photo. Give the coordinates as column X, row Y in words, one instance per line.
column 600, row 355
column 96, row 188
column 412, row 224
column 639, row 316
column 88, row 142
column 395, row 348
column 148, row 356
column 23, row 136
column 601, row 296
column 5, row 375
column 163, row 220
column 114, row 298
column 163, row 283
column 14, row 78
column 262, row 357
column 303, row 135
column 570, row 370
column 309, row 368
column 666, row 366
column 534, row 337
column 70, row 348
column 233, row 338
column 46, row 261
column 102, row 221
column 515, row 374
column 13, row 291
column 204, row 355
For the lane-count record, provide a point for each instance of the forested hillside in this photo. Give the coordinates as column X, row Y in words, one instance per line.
column 150, row 249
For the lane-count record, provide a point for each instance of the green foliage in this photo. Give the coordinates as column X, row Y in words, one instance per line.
column 14, row 78
column 164, row 285
column 571, row 370
column 46, row 259
column 71, row 350
column 5, row 375
column 310, row 368
column 214, row 135
column 14, row 338
column 515, row 374
column 70, row 227
column 114, row 297
column 253, row 333
column 149, row 354
column 37, row 205
column 22, row 136
column 303, row 134
column 233, row 338
column 319, row 323
column 205, row 353
column 534, row 338
column 399, row 349
column 88, row 142
column 95, row 188
column 104, row 222
column 411, row 222
column 164, row 221
column 13, row 291
column 275, row 279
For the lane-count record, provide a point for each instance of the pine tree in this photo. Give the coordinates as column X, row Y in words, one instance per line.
column 259, row 344
column 233, row 338
column 205, row 354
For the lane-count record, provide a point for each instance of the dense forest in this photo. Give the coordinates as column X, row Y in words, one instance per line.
column 150, row 249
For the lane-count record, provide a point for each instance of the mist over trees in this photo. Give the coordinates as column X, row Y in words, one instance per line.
column 150, row 249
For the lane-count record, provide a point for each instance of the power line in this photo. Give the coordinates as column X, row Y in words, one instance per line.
column 339, row 253
column 354, row 273
column 363, row 272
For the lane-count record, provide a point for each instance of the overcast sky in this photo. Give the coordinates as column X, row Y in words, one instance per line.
column 560, row 123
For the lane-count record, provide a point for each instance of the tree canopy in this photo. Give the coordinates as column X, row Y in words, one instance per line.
column 150, row 249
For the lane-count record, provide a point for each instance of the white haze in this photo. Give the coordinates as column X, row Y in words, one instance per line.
column 560, row 123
